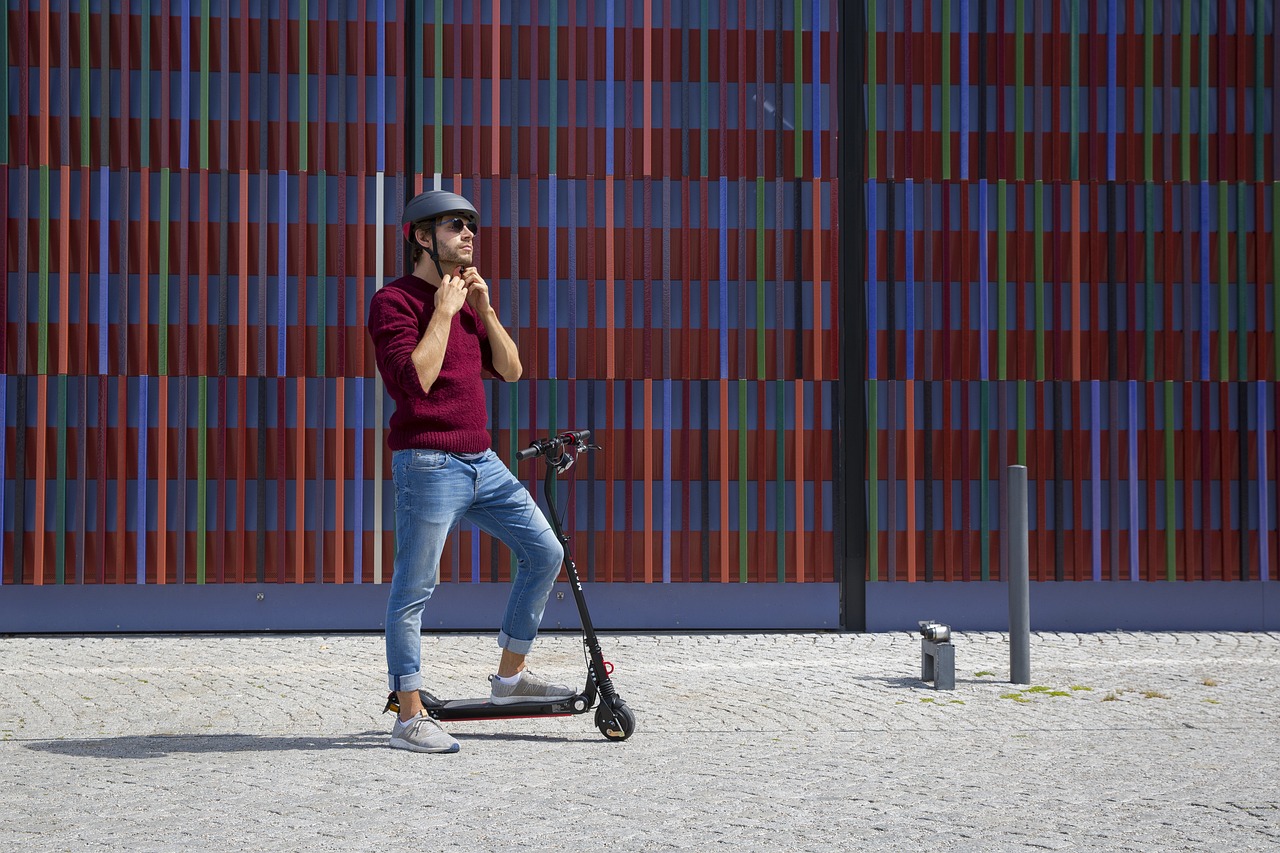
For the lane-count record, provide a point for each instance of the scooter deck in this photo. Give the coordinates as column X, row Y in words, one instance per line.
column 483, row 709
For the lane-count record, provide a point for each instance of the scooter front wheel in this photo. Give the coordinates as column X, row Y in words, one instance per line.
column 617, row 724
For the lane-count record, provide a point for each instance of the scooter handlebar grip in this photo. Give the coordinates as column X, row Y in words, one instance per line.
column 528, row 453
column 581, row 435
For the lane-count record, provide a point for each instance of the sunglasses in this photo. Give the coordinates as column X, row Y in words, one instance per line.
column 456, row 224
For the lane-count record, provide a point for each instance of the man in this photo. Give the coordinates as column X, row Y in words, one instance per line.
column 434, row 332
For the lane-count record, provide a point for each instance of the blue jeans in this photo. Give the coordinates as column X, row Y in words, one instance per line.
column 434, row 491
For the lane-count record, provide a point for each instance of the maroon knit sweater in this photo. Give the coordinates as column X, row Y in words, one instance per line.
column 453, row 416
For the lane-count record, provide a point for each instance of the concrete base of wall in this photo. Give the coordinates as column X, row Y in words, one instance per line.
column 1104, row 606
column 975, row 606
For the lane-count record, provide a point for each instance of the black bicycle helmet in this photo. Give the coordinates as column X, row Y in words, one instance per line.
column 433, row 204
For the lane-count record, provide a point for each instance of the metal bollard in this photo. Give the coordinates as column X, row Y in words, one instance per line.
column 937, row 656
column 1019, row 578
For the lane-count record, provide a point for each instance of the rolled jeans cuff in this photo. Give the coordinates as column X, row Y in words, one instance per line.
column 511, row 644
column 405, row 683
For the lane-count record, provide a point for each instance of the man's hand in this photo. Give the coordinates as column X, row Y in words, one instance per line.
column 451, row 295
column 477, row 290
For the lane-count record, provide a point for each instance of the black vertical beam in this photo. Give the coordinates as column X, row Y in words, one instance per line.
column 850, row 402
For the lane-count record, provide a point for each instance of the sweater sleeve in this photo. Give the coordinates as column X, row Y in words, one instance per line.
column 486, row 350
column 394, row 330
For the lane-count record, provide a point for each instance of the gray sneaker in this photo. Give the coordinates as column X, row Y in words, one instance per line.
column 530, row 688
column 422, row 734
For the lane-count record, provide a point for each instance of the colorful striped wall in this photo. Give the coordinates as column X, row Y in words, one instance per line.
column 1072, row 252
column 202, row 197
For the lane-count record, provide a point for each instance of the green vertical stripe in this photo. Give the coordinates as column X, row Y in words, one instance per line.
column 1204, row 87
column 946, row 89
column 60, row 507
column 85, row 70
column 1022, row 422
column 1148, row 81
column 322, row 313
column 873, row 127
column 742, row 481
column 984, row 520
column 302, row 91
column 144, row 94
column 1149, row 226
column 1170, row 492
column 760, row 302
column 873, row 484
column 439, row 90
column 1002, row 249
column 162, row 350
column 204, row 85
column 1039, row 252
column 555, row 53
column 780, row 491
column 1019, row 109
column 1224, row 286
column 1075, row 90
column 201, row 471
column 799, row 83
column 1186, row 90
column 1242, row 277
column 42, row 334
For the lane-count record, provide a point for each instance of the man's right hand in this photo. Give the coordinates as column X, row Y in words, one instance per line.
column 451, row 295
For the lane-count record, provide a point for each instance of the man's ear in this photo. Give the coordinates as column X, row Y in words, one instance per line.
column 429, row 231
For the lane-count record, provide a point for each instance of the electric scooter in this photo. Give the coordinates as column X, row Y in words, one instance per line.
column 613, row 718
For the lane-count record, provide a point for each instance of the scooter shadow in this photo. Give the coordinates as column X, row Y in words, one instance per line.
column 160, row 746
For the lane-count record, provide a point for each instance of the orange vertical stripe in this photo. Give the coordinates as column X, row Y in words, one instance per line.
column 1075, row 281
column 802, row 538
column 911, row 479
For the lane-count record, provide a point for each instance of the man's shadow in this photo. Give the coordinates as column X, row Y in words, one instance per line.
column 160, row 746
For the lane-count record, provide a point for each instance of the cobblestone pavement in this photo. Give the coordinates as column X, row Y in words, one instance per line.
column 743, row 742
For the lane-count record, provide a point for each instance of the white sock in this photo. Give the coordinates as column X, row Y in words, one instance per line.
column 508, row 680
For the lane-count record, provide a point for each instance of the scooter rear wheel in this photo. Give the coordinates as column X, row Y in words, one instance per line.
column 616, row 725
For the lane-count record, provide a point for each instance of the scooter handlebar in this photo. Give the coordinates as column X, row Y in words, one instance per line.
column 540, row 447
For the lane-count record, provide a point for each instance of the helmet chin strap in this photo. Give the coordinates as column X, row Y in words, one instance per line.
column 431, row 252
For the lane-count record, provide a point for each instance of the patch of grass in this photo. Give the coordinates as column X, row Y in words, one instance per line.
column 1080, row 687
column 1059, row 693
column 1209, row 682
column 1154, row 694
column 957, row 702
column 928, row 700
column 1111, row 697
column 1039, row 688
column 1016, row 697
column 1213, row 701
column 983, row 674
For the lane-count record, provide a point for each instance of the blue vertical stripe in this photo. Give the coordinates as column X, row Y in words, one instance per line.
column 104, row 225
column 984, row 320
column 1095, row 471
column 873, row 319
column 1264, row 484
column 964, row 89
column 1134, row 525
column 144, row 422
column 573, row 279
column 909, row 226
